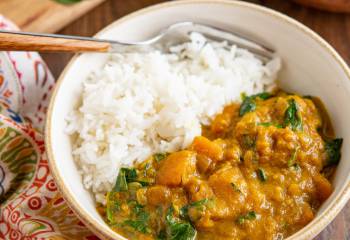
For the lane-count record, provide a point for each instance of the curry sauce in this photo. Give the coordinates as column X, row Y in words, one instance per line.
column 259, row 171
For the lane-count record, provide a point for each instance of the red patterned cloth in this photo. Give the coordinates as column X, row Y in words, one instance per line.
column 30, row 205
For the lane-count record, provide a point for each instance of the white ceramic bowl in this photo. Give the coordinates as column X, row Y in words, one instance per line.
column 310, row 66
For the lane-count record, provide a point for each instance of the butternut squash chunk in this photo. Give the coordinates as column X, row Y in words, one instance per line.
column 176, row 169
column 208, row 148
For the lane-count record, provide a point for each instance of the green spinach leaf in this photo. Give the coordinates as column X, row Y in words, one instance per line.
column 140, row 218
column 249, row 216
column 265, row 124
column 112, row 207
column 333, row 148
column 177, row 230
column 137, row 208
column 263, row 95
column 249, row 141
column 248, row 105
column 125, row 176
column 137, row 225
column 291, row 160
column 262, row 175
column 198, row 204
column 291, row 116
column 234, row 186
column 182, row 231
column 161, row 235
column 268, row 124
column 121, row 184
column 160, row 156
column 130, row 174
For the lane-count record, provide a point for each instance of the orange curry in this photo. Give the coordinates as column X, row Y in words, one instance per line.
column 260, row 171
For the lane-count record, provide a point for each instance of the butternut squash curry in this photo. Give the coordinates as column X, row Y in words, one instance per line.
column 260, row 171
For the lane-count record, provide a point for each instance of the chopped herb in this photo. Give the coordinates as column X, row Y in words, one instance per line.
column 137, row 225
column 261, row 174
column 143, row 183
column 182, row 231
column 138, row 209
column 333, row 148
column 249, row 216
column 160, row 156
column 248, row 141
column 198, row 204
column 268, row 124
column 141, row 217
column 131, row 202
column 169, row 214
column 159, row 210
column 285, row 224
column 291, row 160
column 178, row 230
column 116, row 205
column 161, row 235
column 234, row 186
column 240, row 219
column 263, row 95
column 291, row 116
column 248, row 105
column 110, row 215
column 130, row 174
column 296, row 166
column 112, row 207
column 265, row 124
column 125, row 176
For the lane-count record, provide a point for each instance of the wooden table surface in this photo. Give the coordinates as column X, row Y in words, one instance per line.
column 335, row 28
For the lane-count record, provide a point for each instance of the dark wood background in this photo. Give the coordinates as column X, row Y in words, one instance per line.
column 335, row 28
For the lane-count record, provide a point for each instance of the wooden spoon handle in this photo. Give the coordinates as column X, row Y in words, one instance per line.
column 19, row 42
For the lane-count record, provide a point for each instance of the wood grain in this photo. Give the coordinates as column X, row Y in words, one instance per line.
column 328, row 5
column 44, row 15
column 18, row 42
column 335, row 28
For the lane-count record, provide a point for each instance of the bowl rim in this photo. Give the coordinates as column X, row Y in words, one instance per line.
column 103, row 231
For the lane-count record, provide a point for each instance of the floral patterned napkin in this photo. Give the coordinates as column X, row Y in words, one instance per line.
column 30, row 205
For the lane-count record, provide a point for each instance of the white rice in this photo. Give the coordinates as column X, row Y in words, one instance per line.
column 143, row 103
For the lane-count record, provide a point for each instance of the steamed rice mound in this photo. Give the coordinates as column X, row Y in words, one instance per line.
column 143, row 103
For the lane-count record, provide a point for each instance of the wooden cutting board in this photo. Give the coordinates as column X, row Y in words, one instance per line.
column 44, row 15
